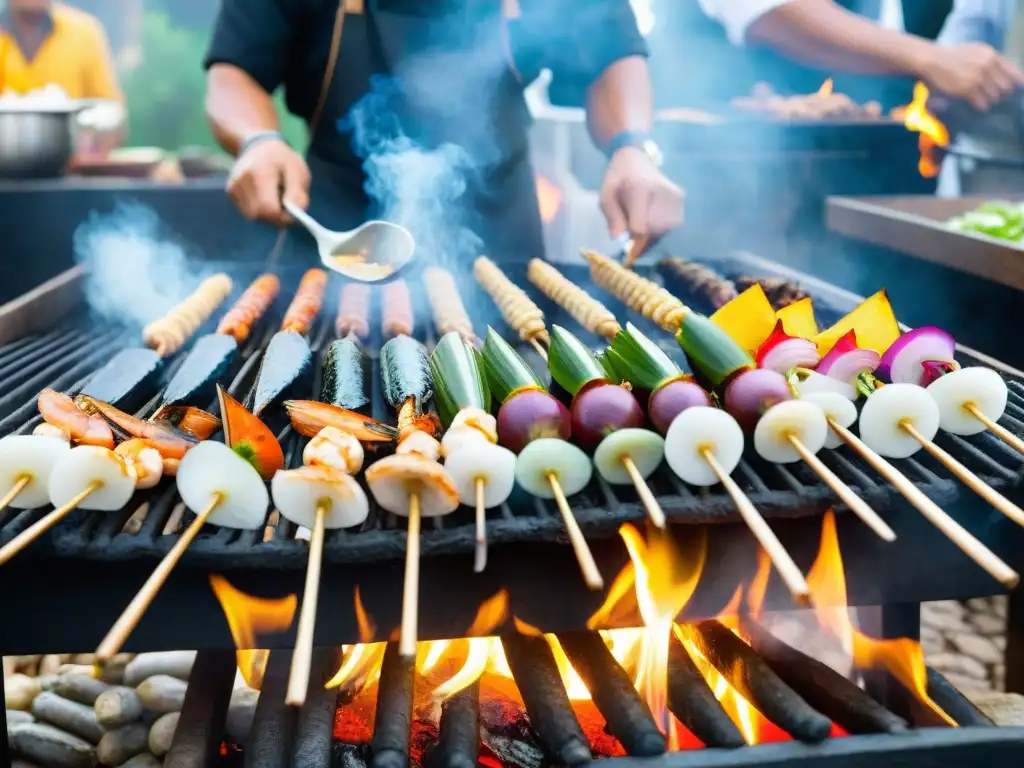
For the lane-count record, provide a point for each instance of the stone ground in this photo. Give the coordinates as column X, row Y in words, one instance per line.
column 966, row 641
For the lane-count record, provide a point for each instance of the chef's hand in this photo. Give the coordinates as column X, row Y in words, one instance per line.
column 265, row 173
column 637, row 198
column 975, row 72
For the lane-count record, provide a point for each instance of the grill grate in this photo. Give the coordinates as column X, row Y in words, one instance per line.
column 66, row 356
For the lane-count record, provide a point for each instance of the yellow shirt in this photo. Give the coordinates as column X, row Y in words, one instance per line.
column 75, row 55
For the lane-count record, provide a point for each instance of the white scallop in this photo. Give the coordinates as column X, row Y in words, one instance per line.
column 797, row 418
column 394, row 479
column 981, row 387
column 458, row 438
column 298, row 492
column 213, row 468
column 887, row 408
column 44, row 429
column 331, row 447
column 495, row 465
column 816, row 383
column 34, row 457
column 479, row 420
column 78, row 468
column 549, row 455
column 644, row 448
column 837, row 408
column 700, row 429
column 420, row 444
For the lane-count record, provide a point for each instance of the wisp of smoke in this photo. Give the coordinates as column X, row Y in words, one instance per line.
column 133, row 275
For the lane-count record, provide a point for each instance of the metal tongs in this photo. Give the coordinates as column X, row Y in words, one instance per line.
column 369, row 253
column 628, row 249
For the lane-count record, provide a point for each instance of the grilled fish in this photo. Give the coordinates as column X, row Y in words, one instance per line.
column 287, row 362
column 128, row 379
column 346, row 376
column 195, row 381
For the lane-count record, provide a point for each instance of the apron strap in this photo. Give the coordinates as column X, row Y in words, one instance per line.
column 344, row 6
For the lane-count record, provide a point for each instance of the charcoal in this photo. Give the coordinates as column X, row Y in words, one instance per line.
column 389, row 746
column 274, row 724
column 693, row 703
column 628, row 717
column 547, row 703
column 511, row 741
column 348, row 755
column 954, row 703
column 316, row 719
column 458, row 741
column 200, row 728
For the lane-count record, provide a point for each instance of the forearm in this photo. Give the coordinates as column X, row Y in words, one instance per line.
column 237, row 106
column 620, row 100
column 823, row 34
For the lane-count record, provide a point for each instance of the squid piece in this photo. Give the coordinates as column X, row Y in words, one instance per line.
column 493, row 465
column 395, row 479
column 213, row 473
column 29, row 459
column 298, row 493
column 87, row 466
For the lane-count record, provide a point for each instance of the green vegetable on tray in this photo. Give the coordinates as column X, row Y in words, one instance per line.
column 1000, row 219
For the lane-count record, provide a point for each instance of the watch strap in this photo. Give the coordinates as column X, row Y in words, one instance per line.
column 640, row 139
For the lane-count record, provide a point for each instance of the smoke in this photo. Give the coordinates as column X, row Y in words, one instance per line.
column 134, row 273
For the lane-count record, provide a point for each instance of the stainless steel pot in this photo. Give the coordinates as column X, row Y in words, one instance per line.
column 36, row 143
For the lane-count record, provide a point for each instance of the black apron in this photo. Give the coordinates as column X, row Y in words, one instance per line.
column 457, row 88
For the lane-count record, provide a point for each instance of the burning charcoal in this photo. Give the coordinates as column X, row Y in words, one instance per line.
column 20, row 691
column 70, row 716
column 506, row 735
column 316, row 720
column 174, row 663
column 51, row 746
column 458, row 741
column 628, row 716
column 758, row 684
column 118, row 706
column 954, row 703
column 200, row 728
column 348, row 756
column 122, row 744
column 822, row 687
column 389, row 746
column 547, row 703
column 693, row 703
column 161, row 733
column 273, row 725
column 80, row 688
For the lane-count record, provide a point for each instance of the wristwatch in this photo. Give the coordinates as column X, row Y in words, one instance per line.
column 639, row 139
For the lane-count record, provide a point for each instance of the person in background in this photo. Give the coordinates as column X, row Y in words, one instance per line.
column 48, row 43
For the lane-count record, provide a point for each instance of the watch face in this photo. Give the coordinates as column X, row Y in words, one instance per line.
column 653, row 152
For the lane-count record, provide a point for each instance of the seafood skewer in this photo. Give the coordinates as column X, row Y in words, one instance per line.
column 449, row 312
column 305, row 306
column 517, row 309
column 250, row 307
column 396, row 310
column 353, row 311
column 700, row 280
column 167, row 334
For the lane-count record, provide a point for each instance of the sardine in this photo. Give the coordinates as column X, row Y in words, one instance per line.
column 127, row 380
column 346, row 376
column 195, row 381
column 405, row 372
column 287, row 362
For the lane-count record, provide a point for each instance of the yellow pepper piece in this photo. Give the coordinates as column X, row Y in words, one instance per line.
column 748, row 319
column 798, row 319
column 874, row 322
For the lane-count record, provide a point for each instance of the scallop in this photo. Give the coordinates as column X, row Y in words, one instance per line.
column 331, row 447
column 32, row 457
column 45, row 429
column 644, row 448
column 813, row 383
column 953, row 392
column 837, row 408
column 892, row 405
column 419, row 443
column 458, row 438
column 695, row 431
column 80, row 467
column 791, row 419
column 479, row 420
column 393, row 481
column 297, row 494
column 211, row 469
column 495, row 465
column 548, row 456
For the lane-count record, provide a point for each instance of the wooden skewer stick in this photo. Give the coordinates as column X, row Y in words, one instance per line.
column 540, row 349
column 856, row 504
column 965, row 476
column 302, row 657
column 937, row 516
column 996, row 429
column 788, row 570
column 411, row 587
column 591, row 574
column 480, row 561
column 41, row 526
column 123, row 627
column 643, row 490
column 17, row 488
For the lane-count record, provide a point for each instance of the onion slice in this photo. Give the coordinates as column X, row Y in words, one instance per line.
column 887, row 408
column 837, row 408
column 903, row 361
column 953, row 392
column 782, row 353
column 644, row 448
column 793, row 418
column 549, row 455
column 32, row 457
column 394, row 479
column 495, row 465
column 846, row 361
column 298, row 492
column 700, row 429
column 212, row 468
column 78, row 468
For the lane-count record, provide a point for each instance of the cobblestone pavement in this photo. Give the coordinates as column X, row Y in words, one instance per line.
column 966, row 641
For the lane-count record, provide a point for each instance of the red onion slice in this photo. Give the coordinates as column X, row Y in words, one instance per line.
column 903, row 362
column 846, row 361
column 790, row 354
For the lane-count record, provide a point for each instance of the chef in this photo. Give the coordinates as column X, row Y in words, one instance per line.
column 445, row 77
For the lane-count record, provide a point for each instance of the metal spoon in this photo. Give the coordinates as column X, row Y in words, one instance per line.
column 374, row 251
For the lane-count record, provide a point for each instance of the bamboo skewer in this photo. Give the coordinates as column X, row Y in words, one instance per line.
column 302, row 657
column 480, row 561
column 17, row 488
column 41, row 526
column 996, row 429
column 932, row 512
column 856, row 504
column 591, row 574
column 411, row 585
column 123, row 627
column 781, row 559
column 965, row 476
column 654, row 510
column 540, row 349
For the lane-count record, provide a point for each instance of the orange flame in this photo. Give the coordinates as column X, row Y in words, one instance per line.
column 826, row 88
column 248, row 616
column 549, row 198
column 902, row 658
column 932, row 132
